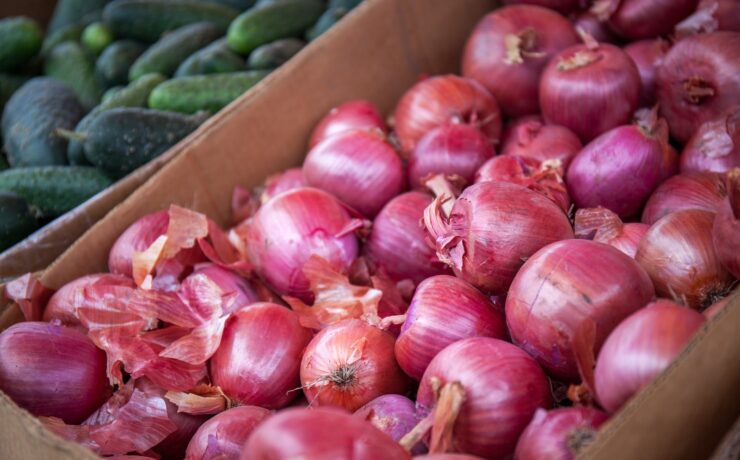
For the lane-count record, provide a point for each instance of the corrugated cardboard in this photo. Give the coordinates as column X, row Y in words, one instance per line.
column 377, row 53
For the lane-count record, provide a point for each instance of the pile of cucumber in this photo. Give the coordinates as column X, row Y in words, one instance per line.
column 115, row 83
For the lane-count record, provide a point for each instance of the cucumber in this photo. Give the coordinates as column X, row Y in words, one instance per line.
column 68, row 33
column 214, row 58
column 115, row 62
column 9, row 84
column 203, row 92
column 168, row 53
column 147, row 20
column 96, row 37
column 20, row 40
column 326, row 22
column 275, row 54
column 68, row 62
column 69, row 12
column 30, row 118
column 16, row 220
column 110, row 93
column 239, row 5
column 272, row 21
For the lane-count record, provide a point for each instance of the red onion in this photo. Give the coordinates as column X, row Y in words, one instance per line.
column 538, row 141
column 444, row 309
column 711, row 16
column 394, row 415
column 397, row 242
column 282, row 182
column 562, row 286
column 686, row 191
column 678, row 254
column 643, row 18
column 562, row 6
column 52, row 370
column 648, row 56
column 698, row 81
column 257, row 361
column 640, row 348
column 445, row 99
column 348, row 364
column 350, row 116
column 593, row 26
column 223, row 437
column 559, row 434
column 604, row 226
column 511, row 126
column 508, row 50
column 447, row 457
column 293, row 226
column 229, row 283
column 589, row 89
column 451, row 149
column 173, row 446
column 493, row 226
column 726, row 229
column 322, row 433
column 715, row 145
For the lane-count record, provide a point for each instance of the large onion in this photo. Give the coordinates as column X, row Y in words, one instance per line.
column 223, row 437
column 559, row 434
column 643, row 18
column 648, row 56
column 685, row 191
column 726, row 229
column 715, row 145
column 711, row 16
column 350, row 116
column 604, row 226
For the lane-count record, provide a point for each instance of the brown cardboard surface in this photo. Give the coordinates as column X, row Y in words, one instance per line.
column 729, row 447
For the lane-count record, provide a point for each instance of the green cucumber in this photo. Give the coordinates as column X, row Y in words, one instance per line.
column 326, row 22
column 239, row 5
column 69, row 12
column 70, row 63
column 214, row 58
column 96, row 37
column 68, row 33
column 16, row 220
column 115, row 61
column 20, row 40
column 275, row 54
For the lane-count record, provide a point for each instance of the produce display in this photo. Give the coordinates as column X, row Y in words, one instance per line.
column 492, row 270
column 115, row 83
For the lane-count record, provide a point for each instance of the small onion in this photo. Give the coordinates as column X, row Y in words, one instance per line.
column 350, row 116
column 715, row 145
column 648, row 56
column 536, row 140
column 686, row 191
column 562, row 6
column 604, row 226
column 726, row 229
column 596, row 28
column 711, row 16
column 223, row 437
column 394, row 415
column 282, row 182
column 559, row 434
column 637, row 19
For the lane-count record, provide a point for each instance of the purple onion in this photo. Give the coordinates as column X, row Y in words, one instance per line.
column 394, row 415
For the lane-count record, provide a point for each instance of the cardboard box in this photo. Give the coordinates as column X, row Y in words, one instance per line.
column 377, row 53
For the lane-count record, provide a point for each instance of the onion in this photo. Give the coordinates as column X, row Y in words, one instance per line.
column 445, row 99
column 394, row 415
column 715, row 145
column 293, row 226
column 493, row 226
column 698, row 81
column 322, row 433
column 559, row 434
column 564, row 285
column 447, row 457
column 508, row 49
column 223, row 437
column 538, row 141
column 640, row 348
column 711, row 16
column 444, row 309
column 451, row 149
column 648, row 56
column 643, row 18
column 562, row 6
column 358, row 167
column 589, row 89
column 703, row 191
column 604, row 226
column 726, row 228
column 52, row 370
column 173, row 446
column 229, row 283
column 678, row 254
column 350, row 116
column 511, row 126
column 348, row 364
column 397, row 242
column 282, row 182
column 257, row 361
column 593, row 26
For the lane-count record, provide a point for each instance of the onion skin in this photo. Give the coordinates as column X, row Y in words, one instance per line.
column 596, row 28
column 358, row 167
column 258, row 360
column 559, row 434
column 715, row 146
column 350, row 116
column 678, row 254
column 322, row 433
column 52, row 370
column 444, row 309
column 565, row 284
column 711, row 16
column 282, row 182
column 447, row 457
column 726, row 228
column 538, row 141
column 562, row 6
column 229, row 282
column 698, row 81
column 648, row 56
column 604, row 226
column 394, row 415
column 703, row 191
column 137, row 237
column 638, row 19
column 640, row 348
column 223, row 436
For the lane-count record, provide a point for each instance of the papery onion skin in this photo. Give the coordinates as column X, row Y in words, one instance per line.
column 637, row 19
column 604, row 226
column 322, row 433
column 703, row 191
column 229, row 282
column 350, row 363
column 562, row 6
column 282, row 182
column 599, row 30
column 511, row 71
column 444, row 309
column 640, row 348
column 678, row 254
column 223, row 436
column 715, row 146
column 648, row 56
column 137, row 237
column 52, row 370
column 726, row 228
column 559, row 434
column 534, row 139
column 698, row 81
column 711, row 16
column 394, row 415
column 258, row 359
column 503, row 388
column 565, row 284
column 349, row 116
column 173, row 446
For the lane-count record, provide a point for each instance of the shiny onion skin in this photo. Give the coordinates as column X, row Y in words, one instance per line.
column 640, row 348
column 685, row 191
column 229, row 283
column 52, row 370
column 698, row 81
column 291, row 227
column 562, row 286
column 648, row 56
column 715, row 146
column 538, row 141
column 322, row 433
column 451, row 149
column 726, row 229
column 599, row 30
column 636, row 19
column 348, row 364
column 508, row 49
column 562, row 6
column 589, row 90
column 350, row 116
column 358, row 167
column 282, row 182
column 258, row 360
column 604, row 226
column 394, row 415
column 137, row 237
column 711, row 16
column 444, row 309
column 445, row 99
column 397, row 241
column 223, row 436
column 503, row 388
column 559, row 434
column 678, row 254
